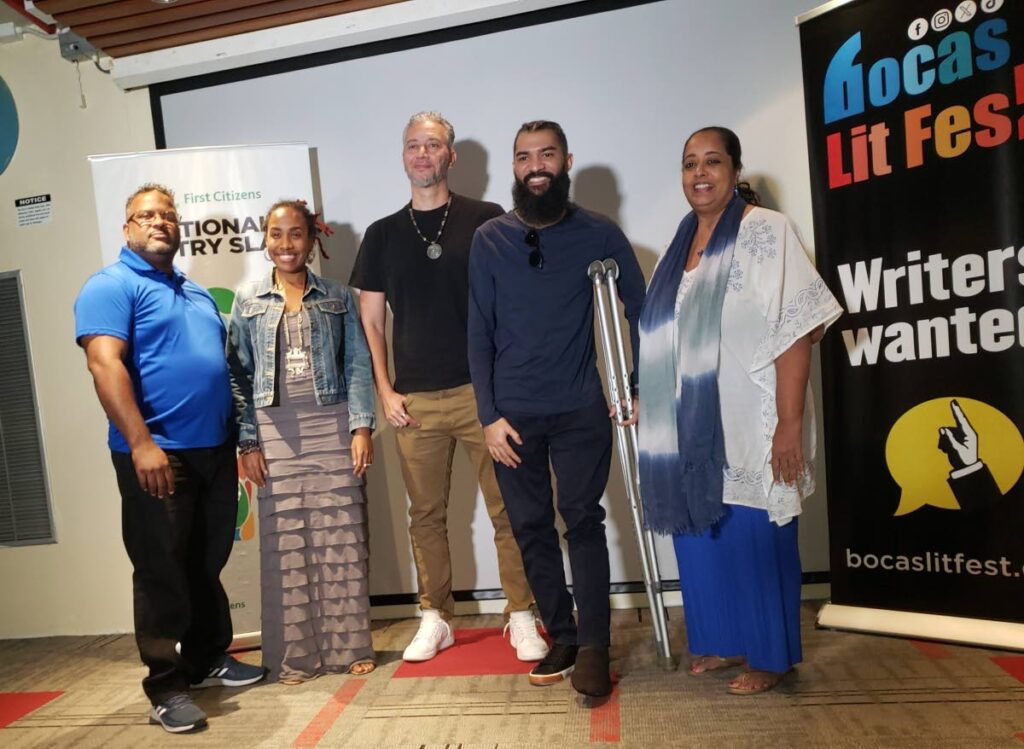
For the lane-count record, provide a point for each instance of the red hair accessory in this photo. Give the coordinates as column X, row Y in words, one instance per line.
column 322, row 227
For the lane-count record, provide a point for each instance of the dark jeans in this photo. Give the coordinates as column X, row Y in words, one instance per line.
column 579, row 447
column 178, row 546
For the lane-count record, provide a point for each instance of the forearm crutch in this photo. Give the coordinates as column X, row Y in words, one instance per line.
column 604, row 275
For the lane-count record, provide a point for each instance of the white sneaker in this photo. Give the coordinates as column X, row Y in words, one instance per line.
column 529, row 645
column 433, row 636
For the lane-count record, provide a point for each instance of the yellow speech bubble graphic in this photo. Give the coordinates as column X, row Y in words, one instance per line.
column 921, row 468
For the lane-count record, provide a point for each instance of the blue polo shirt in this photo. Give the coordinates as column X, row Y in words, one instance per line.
column 175, row 338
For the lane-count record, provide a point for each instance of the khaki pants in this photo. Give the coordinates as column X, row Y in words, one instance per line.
column 426, row 453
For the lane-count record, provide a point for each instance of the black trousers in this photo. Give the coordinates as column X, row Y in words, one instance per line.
column 578, row 445
column 178, row 547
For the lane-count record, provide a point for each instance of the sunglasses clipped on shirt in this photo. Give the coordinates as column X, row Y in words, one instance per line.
column 536, row 256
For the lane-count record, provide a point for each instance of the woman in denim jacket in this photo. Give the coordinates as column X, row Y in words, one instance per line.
column 303, row 388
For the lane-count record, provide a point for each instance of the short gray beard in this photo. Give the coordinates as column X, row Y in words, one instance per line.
column 435, row 179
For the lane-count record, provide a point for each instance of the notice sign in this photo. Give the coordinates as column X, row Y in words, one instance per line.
column 37, row 209
column 915, row 122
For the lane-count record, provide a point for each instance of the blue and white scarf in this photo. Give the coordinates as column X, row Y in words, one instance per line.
column 682, row 449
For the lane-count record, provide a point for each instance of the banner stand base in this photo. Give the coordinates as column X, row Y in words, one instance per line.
column 981, row 632
column 246, row 641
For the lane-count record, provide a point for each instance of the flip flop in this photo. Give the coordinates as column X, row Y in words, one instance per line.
column 370, row 670
column 294, row 682
column 705, row 664
column 769, row 680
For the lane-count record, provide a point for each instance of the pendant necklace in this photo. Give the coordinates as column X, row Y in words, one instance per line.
column 296, row 358
column 433, row 248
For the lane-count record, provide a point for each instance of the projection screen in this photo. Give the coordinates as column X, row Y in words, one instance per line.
column 627, row 83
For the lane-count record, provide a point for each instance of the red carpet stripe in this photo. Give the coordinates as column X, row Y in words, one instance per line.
column 329, row 713
column 932, row 649
column 606, row 720
column 16, row 705
column 1011, row 664
column 1014, row 666
column 477, row 652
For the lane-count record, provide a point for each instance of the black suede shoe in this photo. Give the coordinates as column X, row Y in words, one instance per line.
column 557, row 664
column 591, row 676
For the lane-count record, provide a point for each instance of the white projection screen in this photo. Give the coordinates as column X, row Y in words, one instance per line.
column 627, row 81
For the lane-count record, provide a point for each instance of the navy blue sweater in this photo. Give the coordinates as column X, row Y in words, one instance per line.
column 531, row 331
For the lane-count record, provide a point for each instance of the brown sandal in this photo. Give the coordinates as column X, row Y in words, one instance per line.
column 705, row 664
column 362, row 668
column 294, row 681
column 754, row 682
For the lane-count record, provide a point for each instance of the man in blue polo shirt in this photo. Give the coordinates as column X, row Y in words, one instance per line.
column 538, row 394
column 154, row 343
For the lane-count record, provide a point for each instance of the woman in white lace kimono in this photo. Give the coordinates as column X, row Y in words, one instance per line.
column 727, row 435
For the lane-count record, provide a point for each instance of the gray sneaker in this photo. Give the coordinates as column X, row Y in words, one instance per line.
column 228, row 672
column 178, row 714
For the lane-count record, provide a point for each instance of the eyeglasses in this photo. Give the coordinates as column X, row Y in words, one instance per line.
column 147, row 218
column 536, row 256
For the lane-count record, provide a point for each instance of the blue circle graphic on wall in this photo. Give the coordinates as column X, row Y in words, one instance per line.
column 8, row 126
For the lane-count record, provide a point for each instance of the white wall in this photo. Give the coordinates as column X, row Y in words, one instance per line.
column 81, row 584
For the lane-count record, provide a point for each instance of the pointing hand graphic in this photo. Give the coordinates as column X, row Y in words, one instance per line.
column 960, row 443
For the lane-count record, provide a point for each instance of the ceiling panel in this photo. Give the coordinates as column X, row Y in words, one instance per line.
column 129, row 27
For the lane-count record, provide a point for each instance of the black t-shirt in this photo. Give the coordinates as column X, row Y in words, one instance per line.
column 429, row 299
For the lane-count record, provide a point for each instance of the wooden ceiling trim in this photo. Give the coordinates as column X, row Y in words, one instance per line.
column 123, row 10
column 56, row 7
column 165, row 41
column 280, row 12
column 164, row 20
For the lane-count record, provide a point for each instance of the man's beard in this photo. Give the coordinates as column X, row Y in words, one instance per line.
column 142, row 245
column 439, row 176
column 546, row 208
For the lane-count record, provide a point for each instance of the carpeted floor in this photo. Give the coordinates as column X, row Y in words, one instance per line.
column 852, row 691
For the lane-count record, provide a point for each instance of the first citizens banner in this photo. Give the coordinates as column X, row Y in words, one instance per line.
column 222, row 195
column 915, row 122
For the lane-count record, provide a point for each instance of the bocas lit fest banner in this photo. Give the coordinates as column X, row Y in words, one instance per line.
column 222, row 195
column 915, row 122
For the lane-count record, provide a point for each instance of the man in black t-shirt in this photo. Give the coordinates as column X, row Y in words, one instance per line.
column 417, row 261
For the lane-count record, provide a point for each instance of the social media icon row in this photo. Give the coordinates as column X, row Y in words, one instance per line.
column 942, row 19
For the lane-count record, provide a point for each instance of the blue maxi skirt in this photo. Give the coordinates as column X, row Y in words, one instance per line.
column 741, row 589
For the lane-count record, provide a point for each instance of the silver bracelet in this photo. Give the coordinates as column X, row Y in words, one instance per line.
column 248, row 446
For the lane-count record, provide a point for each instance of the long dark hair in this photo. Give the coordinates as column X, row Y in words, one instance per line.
column 735, row 151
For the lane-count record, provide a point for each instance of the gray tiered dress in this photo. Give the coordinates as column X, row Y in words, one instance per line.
column 313, row 533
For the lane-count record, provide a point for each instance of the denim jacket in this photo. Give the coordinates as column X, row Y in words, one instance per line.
column 340, row 356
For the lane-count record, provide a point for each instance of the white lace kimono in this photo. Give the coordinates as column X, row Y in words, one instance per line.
column 774, row 297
